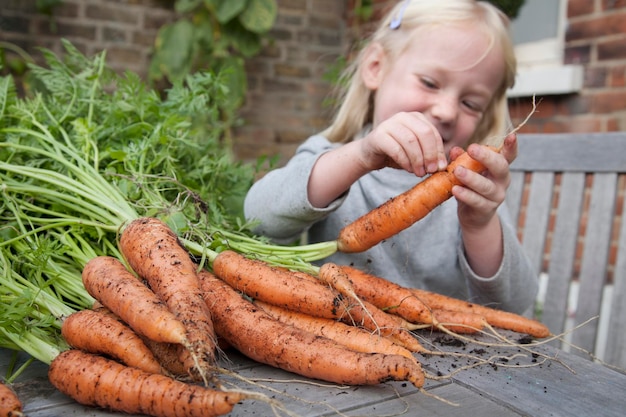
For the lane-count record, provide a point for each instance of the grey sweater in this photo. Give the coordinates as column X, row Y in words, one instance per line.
column 427, row 255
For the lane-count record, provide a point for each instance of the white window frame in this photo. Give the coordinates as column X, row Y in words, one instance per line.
column 541, row 70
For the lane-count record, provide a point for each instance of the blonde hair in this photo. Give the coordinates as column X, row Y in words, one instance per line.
column 356, row 100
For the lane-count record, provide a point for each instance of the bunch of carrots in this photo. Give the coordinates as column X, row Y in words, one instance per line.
column 339, row 325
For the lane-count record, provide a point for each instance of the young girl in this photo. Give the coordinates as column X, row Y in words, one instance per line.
column 432, row 79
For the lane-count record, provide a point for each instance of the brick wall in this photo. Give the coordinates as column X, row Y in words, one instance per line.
column 125, row 28
column 595, row 38
column 287, row 100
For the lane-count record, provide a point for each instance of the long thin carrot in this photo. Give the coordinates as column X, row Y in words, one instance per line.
column 352, row 337
column 403, row 210
column 96, row 332
column 96, row 381
column 116, row 288
column 264, row 339
column 496, row 318
column 390, row 296
column 155, row 253
column 292, row 291
column 10, row 404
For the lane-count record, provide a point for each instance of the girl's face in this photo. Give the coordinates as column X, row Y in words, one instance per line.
column 447, row 73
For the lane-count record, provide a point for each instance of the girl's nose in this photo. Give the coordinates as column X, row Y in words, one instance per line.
column 444, row 109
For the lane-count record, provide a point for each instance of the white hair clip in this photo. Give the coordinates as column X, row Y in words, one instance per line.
column 397, row 19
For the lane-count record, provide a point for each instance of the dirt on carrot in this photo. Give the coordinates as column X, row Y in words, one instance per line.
column 96, row 381
column 305, row 294
column 10, row 404
column 264, row 339
column 352, row 337
column 155, row 253
column 96, row 332
column 496, row 318
column 403, row 210
column 116, row 288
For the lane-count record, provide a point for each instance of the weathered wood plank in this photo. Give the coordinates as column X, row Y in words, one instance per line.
column 563, row 251
column 537, row 216
column 616, row 343
column 595, row 258
column 579, row 152
column 548, row 383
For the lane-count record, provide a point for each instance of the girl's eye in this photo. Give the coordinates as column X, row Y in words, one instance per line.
column 473, row 106
column 427, row 82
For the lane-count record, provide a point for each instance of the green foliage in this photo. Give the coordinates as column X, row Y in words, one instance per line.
column 510, row 7
column 213, row 35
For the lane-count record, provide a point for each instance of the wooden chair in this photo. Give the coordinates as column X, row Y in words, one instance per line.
column 567, row 193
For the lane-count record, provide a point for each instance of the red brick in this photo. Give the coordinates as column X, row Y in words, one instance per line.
column 613, row 24
column 617, row 76
column 608, row 102
column 579, row 7
column 612, row 50
column 612, row 4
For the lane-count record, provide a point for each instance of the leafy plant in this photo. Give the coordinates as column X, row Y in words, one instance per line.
column 213, row 35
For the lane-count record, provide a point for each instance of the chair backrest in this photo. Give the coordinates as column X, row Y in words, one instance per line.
column 567, row 194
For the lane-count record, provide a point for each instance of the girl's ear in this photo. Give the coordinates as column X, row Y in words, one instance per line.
column 372, row 66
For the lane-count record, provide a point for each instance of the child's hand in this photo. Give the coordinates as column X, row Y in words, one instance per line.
column 407, row 141
column 481, row 194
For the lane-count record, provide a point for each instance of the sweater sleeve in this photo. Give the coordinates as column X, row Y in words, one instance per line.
column 279, row 201
column 514, row 286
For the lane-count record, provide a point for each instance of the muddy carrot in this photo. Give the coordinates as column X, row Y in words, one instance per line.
column 10, row 404
column 352, row 337
column 281, row 287
column 496, row 318
column 264, row 339
column 155, row 253
column 96, row 381
column 403, row 210
column 96, row 332
column 116, row 288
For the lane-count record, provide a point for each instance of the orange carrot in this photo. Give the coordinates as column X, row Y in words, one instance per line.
column 403, row 210
column 458, row 321
column 96, row 381
column 497, row 318
column 154, row 252
column 264, row 339
column 97, row 332
column 116, row 288
column 352, row 337
column 390, row 296
column 10, row 404
column 281, row 287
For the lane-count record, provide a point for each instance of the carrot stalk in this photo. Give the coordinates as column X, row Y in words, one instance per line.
column 115, row 287
column 10, row 404
column 109, row 336
column 96, row 381
column 402, row 211
column 306, row 294
column 155, row 253
column 352, row 337
column 496, row 318
column 264, row 339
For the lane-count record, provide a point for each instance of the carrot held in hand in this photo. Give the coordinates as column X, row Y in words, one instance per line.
column 155, row 253
column 262, row 338
column 403, row 210
column 96, row 381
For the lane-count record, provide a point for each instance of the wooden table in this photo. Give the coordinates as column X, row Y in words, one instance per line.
column 489, row 381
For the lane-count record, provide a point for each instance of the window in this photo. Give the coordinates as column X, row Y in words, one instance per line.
column 539, row 36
